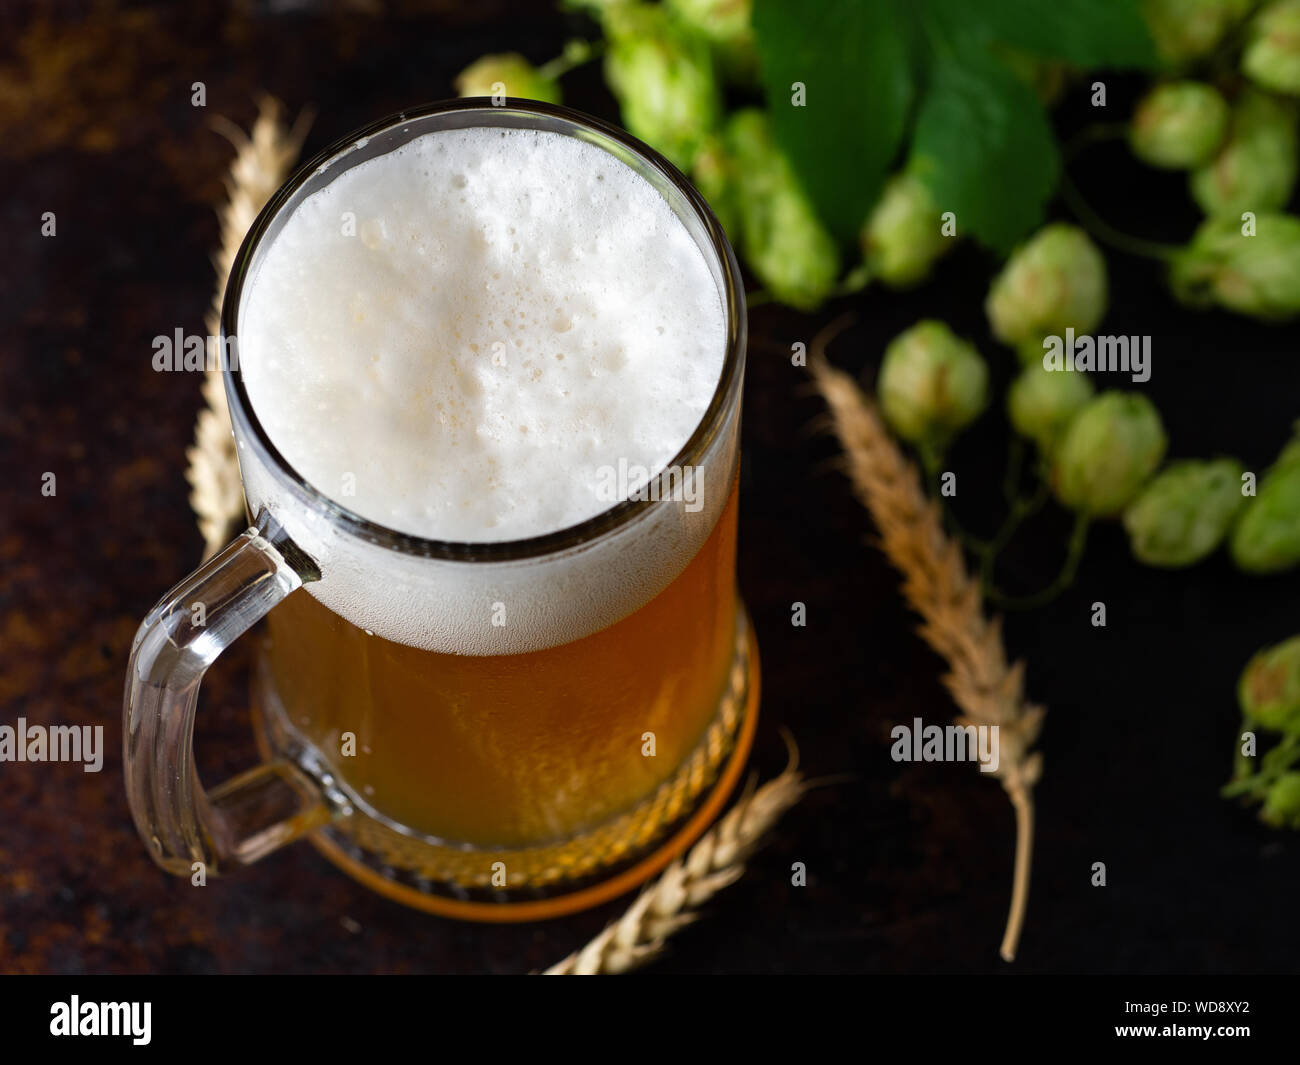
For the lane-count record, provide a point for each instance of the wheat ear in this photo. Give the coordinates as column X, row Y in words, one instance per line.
column 262, row 162
column 673, row 901
column 939, row 587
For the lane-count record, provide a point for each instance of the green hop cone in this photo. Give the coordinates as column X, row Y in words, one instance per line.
column 663, row 78
column 902, row 238
column 1272, row 55
column 1031, row 352
column 1282, row 803
column 1269, row 688
column 1046, row 77
column 781, row 238
column 1255, row 169
column 714, row 174
column 1254, row 275
column 1266, row 538
column 1042, row 402
column 488, row 76
column 1109, row 450
column 1179, row 125
column 1185, row 512
column 932, row 384
column 1187, row 30
column 1290, row 454
column 726, row 25
column 1055, row 282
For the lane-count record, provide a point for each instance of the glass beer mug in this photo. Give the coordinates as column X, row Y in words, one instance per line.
column 496, row 730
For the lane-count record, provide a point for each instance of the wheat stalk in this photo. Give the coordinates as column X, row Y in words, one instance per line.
column 939, row 587
column 262, row 161
column 672, row 902
column 261, row 164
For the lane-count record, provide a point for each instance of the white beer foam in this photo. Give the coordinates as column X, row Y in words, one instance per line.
column 451, row 340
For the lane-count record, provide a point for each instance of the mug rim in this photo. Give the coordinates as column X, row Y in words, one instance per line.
column 589, row 529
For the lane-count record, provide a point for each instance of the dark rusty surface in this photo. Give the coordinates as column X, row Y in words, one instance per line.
column 908, row 866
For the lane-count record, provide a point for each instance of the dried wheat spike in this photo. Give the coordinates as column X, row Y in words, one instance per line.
column 940, row 588
column 672, row 901
column 262, row 161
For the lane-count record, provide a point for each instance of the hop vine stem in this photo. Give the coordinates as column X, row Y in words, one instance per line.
column 1097, row 133
column 1249, row 781
column 1021, row 508
column 932, row 458
column 1108, row 234
column 1069, row 569
column 576, row 53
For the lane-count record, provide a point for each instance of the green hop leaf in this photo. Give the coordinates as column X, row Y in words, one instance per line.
column 1179, row 125
column 980, row 128
column 932, row 383
column 1272, row 55
column 1254, row 275
column 902, row 238
column 1087, row 33
column 1056, row 281
column 854, row 62
column 1185, row 512
column 1269, row 688
column 663, row 78
column 1109, row 450
column 1255, row 169
column 981, row 141
column 1041, row 403
column 485, row 76
column 781, row 238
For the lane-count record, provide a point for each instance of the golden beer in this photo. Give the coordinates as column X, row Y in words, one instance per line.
column 515, row 750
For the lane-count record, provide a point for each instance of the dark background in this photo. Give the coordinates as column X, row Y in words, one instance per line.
column 908, row 866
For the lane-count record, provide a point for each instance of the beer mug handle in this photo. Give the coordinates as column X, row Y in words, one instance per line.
column 259, row 810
